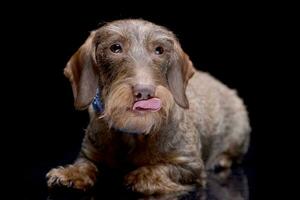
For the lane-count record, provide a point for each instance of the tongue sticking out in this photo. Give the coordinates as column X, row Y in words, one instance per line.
column 153, row 105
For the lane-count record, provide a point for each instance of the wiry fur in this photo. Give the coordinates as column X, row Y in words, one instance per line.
column 202, row 124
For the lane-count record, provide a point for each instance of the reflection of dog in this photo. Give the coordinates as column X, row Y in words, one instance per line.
column 156, row 119
column 228, row 185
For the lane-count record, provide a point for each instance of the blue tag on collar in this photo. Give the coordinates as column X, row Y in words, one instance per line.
column 97, row 103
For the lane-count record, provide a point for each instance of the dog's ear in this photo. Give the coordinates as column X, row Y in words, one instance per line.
column 181, row 69
column 81, row 70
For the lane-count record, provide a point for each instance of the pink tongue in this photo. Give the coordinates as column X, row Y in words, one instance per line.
column 153, row 104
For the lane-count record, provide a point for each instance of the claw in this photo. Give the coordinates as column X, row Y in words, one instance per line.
column 51, row 181
column 70, row 184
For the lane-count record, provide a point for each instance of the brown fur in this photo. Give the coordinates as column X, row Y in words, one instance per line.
column 202, row 124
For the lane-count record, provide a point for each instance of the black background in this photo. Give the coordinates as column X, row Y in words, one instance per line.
column 229, row 42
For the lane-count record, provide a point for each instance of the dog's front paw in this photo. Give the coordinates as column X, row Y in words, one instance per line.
column 71, row 177
column 152, row 181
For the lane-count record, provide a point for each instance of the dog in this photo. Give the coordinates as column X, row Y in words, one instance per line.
column 153, row 116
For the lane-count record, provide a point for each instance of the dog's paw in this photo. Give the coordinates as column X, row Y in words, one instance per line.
column 70, row 177
column 220, row 163
column 150, row 182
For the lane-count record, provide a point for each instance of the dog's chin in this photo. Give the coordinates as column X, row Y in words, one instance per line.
column 135, row 122
column 122, row 114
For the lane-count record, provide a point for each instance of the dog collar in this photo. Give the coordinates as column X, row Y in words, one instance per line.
column 97, row 103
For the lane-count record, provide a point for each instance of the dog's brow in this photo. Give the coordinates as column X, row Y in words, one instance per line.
column 160, row 35
column 165, row 38
column 115, row 29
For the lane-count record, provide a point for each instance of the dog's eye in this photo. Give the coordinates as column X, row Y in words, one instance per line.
column 116, row 48
column 159, row 50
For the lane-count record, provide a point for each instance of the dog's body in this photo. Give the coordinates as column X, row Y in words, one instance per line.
column 163, row 122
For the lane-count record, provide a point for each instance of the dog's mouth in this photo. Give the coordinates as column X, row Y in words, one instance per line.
column 149, row 105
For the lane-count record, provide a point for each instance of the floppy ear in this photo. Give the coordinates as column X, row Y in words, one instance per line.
column 181, row 69
column 81, row 70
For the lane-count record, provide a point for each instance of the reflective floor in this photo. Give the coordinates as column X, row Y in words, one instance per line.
column 226, row 185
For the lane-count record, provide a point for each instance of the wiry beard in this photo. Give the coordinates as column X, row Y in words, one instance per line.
column 119, row 114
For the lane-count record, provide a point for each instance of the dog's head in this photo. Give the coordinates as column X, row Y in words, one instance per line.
column 140, row 70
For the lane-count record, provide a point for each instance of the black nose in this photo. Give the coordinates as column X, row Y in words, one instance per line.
column 143, row 92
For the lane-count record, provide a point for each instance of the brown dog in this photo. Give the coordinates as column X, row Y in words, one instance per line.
column 162, row 122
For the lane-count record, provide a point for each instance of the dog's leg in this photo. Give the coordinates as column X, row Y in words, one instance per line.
column 223, row 156
column 80, row 175
column 161, row 179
